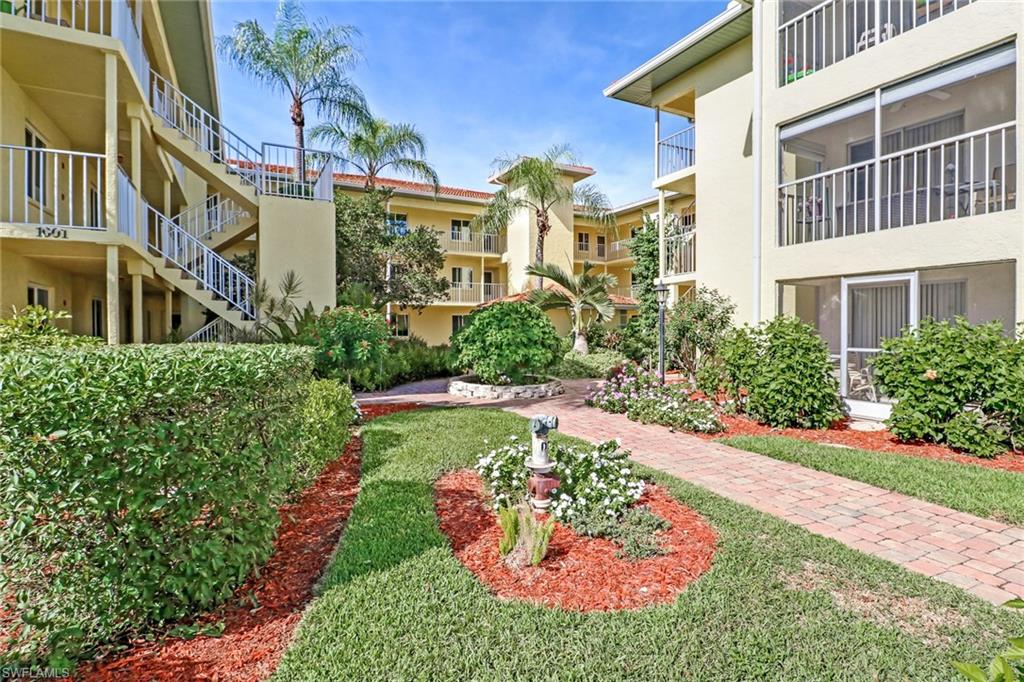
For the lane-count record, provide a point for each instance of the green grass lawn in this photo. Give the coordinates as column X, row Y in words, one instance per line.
column 778, row 602
column 990, row 493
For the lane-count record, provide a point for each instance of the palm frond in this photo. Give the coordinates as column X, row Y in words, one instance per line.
column 498, row 213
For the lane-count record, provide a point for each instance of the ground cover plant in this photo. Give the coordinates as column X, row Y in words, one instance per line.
column 989, row 493
column 639, row 394
column 779, row 602
column 597, row 364
column 142, row 483
column 507, row 343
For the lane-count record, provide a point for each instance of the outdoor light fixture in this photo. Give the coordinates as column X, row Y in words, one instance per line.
column 661, row 291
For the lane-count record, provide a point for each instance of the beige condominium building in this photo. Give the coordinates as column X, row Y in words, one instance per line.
column 122, row 195
column 851, row 162
column 484, row 267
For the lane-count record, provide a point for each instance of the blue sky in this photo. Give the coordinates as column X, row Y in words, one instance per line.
column 486, row 79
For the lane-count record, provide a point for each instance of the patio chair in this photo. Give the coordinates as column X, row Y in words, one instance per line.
column 861, row 385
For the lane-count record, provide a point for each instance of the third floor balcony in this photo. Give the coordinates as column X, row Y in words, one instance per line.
column 814, row 35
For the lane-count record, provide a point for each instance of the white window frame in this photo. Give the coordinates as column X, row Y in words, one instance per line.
column 34, row 289
column 460, row 230
column 395, row 330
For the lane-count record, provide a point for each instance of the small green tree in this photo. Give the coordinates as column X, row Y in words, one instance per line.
column 505, row 342
column 576, row 294
column 347, row 339
column 696, row 328
column 366, row 247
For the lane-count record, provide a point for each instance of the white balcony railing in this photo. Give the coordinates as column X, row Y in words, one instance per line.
column 595, row 253
column 493, row 292
column 166, row 239
column 472, row 242
column 464, row 292
column 127, row 196
column 297, row 173
column 833, row 30
column 180, row 112
column 681, row 251
column 213, row 215
column 52, row 188
column 958, row 177
column 625, row 292
column 116, row 19
column 216, row 331
column 619, row 250
column 677, row 151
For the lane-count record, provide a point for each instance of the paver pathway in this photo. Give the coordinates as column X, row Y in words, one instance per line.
column 981, row 556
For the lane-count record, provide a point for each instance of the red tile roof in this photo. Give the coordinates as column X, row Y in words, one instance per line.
column 409, row 185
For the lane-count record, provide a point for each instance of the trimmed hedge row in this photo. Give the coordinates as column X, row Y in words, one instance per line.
column 141, row 484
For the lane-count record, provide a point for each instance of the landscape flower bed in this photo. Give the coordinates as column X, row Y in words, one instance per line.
column 579, row 573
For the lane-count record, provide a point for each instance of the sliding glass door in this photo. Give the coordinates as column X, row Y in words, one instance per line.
column 873, row 309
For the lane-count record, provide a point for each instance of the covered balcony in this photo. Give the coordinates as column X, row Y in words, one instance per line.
column 814, row 35
column 459, row 240
column 939, row 147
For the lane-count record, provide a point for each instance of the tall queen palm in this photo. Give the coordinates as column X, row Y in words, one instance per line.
column 576, row 294
column 537, row 183
column 307, row 62
column 372, row 145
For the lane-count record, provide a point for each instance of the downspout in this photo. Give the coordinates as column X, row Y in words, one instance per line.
column 756, row 133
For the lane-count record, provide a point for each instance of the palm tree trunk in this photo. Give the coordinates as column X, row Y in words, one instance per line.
column 580, row 345
column 299, row 121
column 543, row 227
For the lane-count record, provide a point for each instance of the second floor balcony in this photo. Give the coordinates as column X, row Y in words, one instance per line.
column 462, row 241
column 601, row 251
column 676, row 152
column 474, row 293
column 938, row 147
column 815, row 35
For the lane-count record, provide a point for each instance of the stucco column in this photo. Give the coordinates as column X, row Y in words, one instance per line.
column 167, row 198
column 168, row 312
column 136, row 137
column 110, row 141
column 136, row 308
column 113, row 298
column 661, row 234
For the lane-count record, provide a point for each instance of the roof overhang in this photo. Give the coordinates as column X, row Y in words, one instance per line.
column 189, row 30
column 725, row 29
column 577, row 173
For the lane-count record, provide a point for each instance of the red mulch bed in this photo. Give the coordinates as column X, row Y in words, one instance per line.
column 579, row 573
column 880, row 441
column 254, row 640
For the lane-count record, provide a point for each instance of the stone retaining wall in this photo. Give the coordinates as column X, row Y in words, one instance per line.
column 469, row 387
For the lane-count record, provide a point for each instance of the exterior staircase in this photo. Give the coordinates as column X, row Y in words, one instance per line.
column 199, row 271
column 218, row 222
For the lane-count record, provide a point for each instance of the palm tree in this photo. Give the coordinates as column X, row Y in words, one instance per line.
column 373, row 144
column 307, row 62
column 537, row 184
column 575, row 294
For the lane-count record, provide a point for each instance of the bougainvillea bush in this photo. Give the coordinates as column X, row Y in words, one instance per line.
column 638, row 393
column 141, row 484
column 592, row 480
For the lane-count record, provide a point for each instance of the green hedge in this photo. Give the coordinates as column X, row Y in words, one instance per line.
column 326, row 415
column 141, row 484
column 596, row 364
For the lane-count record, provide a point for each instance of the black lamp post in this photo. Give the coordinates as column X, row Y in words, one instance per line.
column 662, row 293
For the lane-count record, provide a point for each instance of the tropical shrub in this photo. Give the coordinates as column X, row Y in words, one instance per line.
column 591, row 480
column 33, row 326
column 696, row 328
column 326, row 415
column 597, row 364
column 347, row 339
column 405, row 361
column 974, row 433
column 141, row 484
column 506, row 343
column 638, row 341
column 1006, row 404
column 781, row 373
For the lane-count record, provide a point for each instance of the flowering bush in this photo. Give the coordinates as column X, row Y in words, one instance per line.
column 591, row 480
column 639, row 395
column 347, row 339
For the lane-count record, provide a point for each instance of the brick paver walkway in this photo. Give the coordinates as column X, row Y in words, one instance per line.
column 981, row 556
